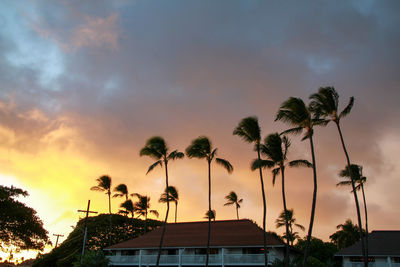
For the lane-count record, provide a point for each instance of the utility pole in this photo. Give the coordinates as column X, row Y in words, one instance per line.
column 57, row 235
column 87, row 211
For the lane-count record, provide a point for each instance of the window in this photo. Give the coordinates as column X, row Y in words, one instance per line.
column 129, row 252
column 361, row 259
column 395, row 259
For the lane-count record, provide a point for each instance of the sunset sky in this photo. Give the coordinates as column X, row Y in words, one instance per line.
column 84, row 84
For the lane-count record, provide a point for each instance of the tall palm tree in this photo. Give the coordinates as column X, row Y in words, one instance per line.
column 360, row 180
column 291, row 221
column 211, row 215
column 249, row 130
column 173, row 195
column 157, row 149
column 201, row 148
column 104, row 185
column 233, row 199
column 295, row 113
column 325, row 104
column 121, row 191
column 275, row 148
column 128, row 206
column 142, row 208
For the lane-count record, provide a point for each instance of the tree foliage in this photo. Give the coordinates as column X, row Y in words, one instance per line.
column 19, row 225
column 66, row 253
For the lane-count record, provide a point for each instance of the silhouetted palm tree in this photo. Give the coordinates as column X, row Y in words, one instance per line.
column 347, row 235
column 142, row 206
column 122, row 190
column 157, row 149
column 173, row 196
column 295, row 113
column 233, row 199
column 290, row 220
column 104, row 185
column 128, row 206
column 325, row 104
column 249, row 130
column 201, row 148
column 360, row 180
column 210, row 214
column 275, row 149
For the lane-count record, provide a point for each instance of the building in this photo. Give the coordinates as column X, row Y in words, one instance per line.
column 383, row 251
column 233, row 243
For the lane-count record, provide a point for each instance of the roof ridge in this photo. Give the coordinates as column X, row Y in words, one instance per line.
column 217, row 221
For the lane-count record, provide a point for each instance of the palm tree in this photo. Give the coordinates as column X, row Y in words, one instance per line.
column 325, row 104
column 142, row 206
column 249, row 130
column 122, row 190
column 360, row 180
column 104, row 185
column 347, row 235
column 211, row 215
column 173, row 196
column 201, row 148
column 290, row 220
column 294, row 112
column 157, row 149
column 233, row 199
column 128, row 206
column 275, row 149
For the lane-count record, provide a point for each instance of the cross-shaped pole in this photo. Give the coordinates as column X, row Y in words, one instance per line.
column 57, row 235
column 87, row 211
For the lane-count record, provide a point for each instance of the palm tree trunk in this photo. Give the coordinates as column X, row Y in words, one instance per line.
column 109, row 209
column 237, row 212
column 264, row 209
column 314, row 200
column 166, row 215
column 176, row 210
column 209, row 213
column 145, row 222
column 355, row 196
column 286, row 217
column 366, row 221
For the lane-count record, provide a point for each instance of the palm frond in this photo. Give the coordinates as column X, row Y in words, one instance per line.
column 155, row 147
column 152, row 166
column 296, row 130
column 261, row 163
column 199, row 148
column 97, row 188
column 224, row 163
column 248, row 129
column 300, row 163
column 275, row 172
column 300, row 226
column 155, row 213
column 347, row 109
column 175, row 155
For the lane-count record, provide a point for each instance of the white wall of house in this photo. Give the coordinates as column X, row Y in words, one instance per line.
column 379, row 262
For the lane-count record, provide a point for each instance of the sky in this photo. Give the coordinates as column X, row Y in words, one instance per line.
column 84, row 84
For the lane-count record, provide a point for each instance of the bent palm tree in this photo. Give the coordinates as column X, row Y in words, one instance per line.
column 290, row 220
column 104, row 185
column 360, row 180
column 325, row 103
column 173, row 196
column 294, row 112
column 249, row 130
column 275, row 149
column 142, row 206
column 157, row 149
column 201, row 148
column 233, row 199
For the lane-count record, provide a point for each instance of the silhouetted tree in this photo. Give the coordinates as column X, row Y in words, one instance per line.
column 210, row 215
column 157, row 149
column 173, row 196
column 290, row 220
column 295, row 113
column 233, row 199
column 142, row 206
column 347, row 235
column 201, row 148
column 249, row 130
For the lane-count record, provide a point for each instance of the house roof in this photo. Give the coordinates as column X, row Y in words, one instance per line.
column 380, row 243
column 230, row 233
